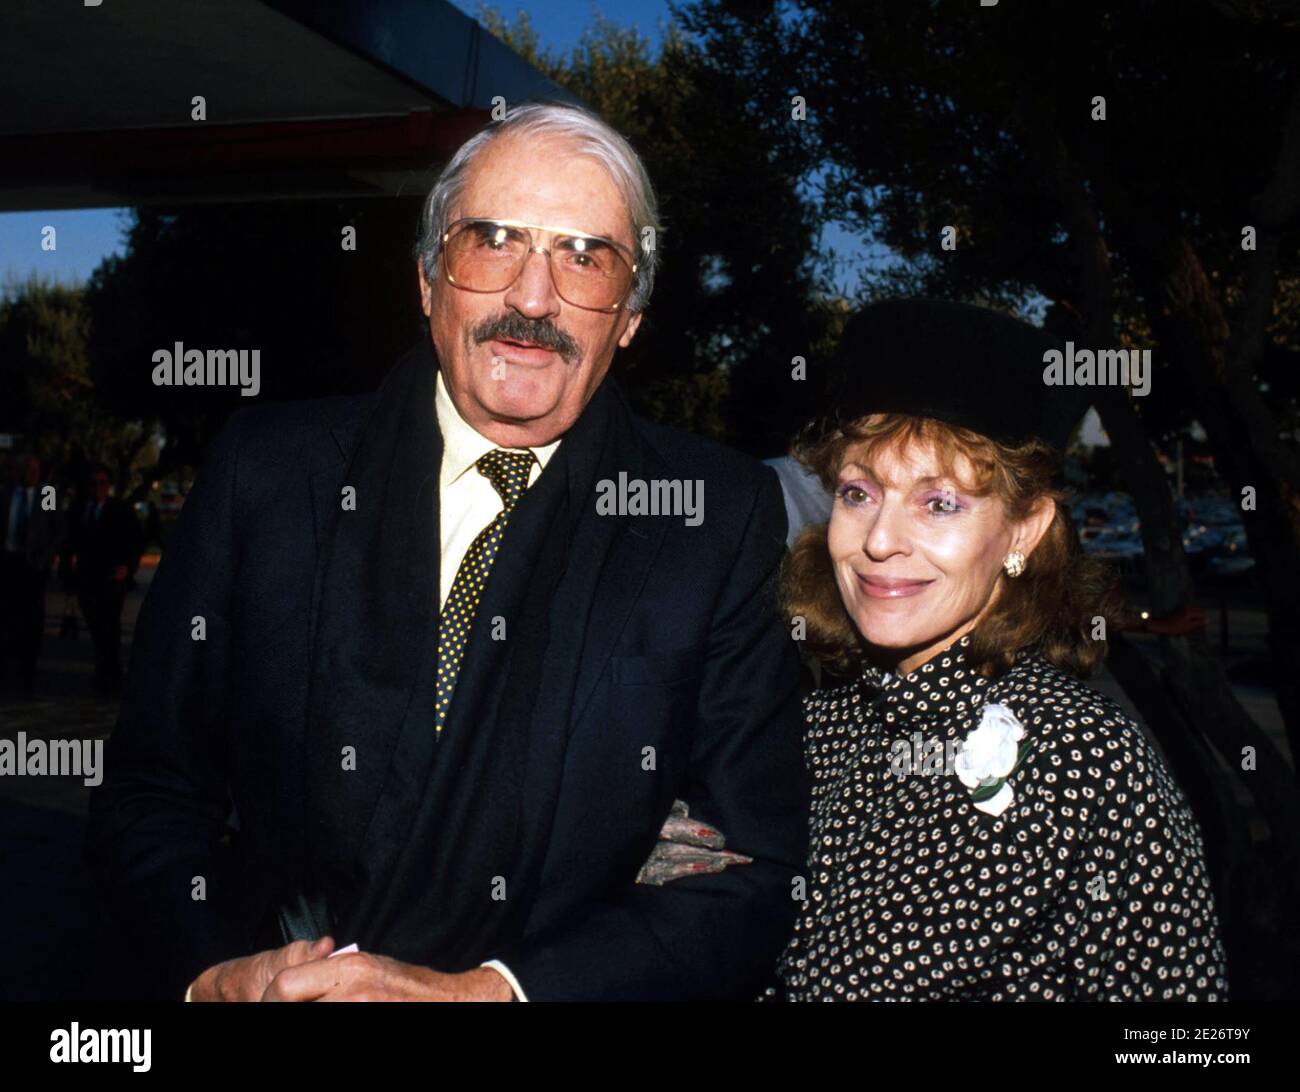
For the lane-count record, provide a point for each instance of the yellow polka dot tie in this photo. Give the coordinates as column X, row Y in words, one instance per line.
column 508, row 473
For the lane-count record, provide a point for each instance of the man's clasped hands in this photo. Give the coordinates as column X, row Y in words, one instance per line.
column 312, row 971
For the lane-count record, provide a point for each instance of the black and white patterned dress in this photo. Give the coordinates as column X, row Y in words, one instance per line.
column 1090, row 885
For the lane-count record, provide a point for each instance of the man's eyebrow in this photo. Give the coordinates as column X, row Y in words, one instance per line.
column 562, row 229
column 605, row 238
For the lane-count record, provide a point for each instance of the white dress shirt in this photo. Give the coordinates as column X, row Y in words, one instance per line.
column 467, row 502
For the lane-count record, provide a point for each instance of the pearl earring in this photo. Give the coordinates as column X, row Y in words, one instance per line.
column 1014, row 563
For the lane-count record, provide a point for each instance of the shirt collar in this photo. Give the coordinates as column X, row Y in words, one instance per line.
column 462, row 444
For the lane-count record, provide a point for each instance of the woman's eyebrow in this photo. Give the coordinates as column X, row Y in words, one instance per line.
column 890, row 483
column 944, row 481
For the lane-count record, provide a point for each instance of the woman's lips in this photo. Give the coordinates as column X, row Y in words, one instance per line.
column 891, row 587
column 520, row 353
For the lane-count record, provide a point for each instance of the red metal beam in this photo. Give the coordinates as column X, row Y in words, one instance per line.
column 416, row 140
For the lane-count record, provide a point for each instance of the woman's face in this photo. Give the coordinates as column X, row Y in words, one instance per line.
column 916, row 555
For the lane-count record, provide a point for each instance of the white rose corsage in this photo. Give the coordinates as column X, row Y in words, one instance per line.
column 989, row 756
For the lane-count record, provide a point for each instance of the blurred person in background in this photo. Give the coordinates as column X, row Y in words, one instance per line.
column 32, row 534
column 105, row 546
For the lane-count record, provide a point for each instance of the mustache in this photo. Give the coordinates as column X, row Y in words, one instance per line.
column 514, row 327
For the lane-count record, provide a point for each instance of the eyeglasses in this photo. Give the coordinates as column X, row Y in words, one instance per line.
column 589, row 271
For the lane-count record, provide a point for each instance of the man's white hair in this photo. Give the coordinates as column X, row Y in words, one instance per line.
column 589, row 136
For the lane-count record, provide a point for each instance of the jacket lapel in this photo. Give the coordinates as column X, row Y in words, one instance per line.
column 376, row 617
column 324, row 481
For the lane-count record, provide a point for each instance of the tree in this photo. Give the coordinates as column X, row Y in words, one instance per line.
column 48, row 394
column 44, row 370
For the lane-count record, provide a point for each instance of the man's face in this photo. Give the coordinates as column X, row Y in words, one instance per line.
column 513, row 395
column 31, row 472
column 101, row 485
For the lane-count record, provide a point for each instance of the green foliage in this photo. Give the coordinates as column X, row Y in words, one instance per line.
column 46, row 389
column 44, row 369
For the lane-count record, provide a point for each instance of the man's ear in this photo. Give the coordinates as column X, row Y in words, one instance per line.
column 1034, row 526
column 426, row 290
column 634, row 320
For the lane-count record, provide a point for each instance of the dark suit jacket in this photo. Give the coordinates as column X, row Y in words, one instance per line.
column 102, row 544
column 682, row 651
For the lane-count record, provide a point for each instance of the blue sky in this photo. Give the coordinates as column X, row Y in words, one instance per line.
column 86, row 236
column 83, row 238
column 560, row 23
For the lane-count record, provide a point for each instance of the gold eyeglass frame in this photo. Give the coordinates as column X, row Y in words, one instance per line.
column 551, row 230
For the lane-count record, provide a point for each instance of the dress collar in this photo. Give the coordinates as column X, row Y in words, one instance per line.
column 944, row 686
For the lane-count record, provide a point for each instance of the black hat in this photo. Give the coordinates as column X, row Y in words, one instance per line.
column 964, row 365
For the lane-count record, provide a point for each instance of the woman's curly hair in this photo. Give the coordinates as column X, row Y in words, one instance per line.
column 1049, row 609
